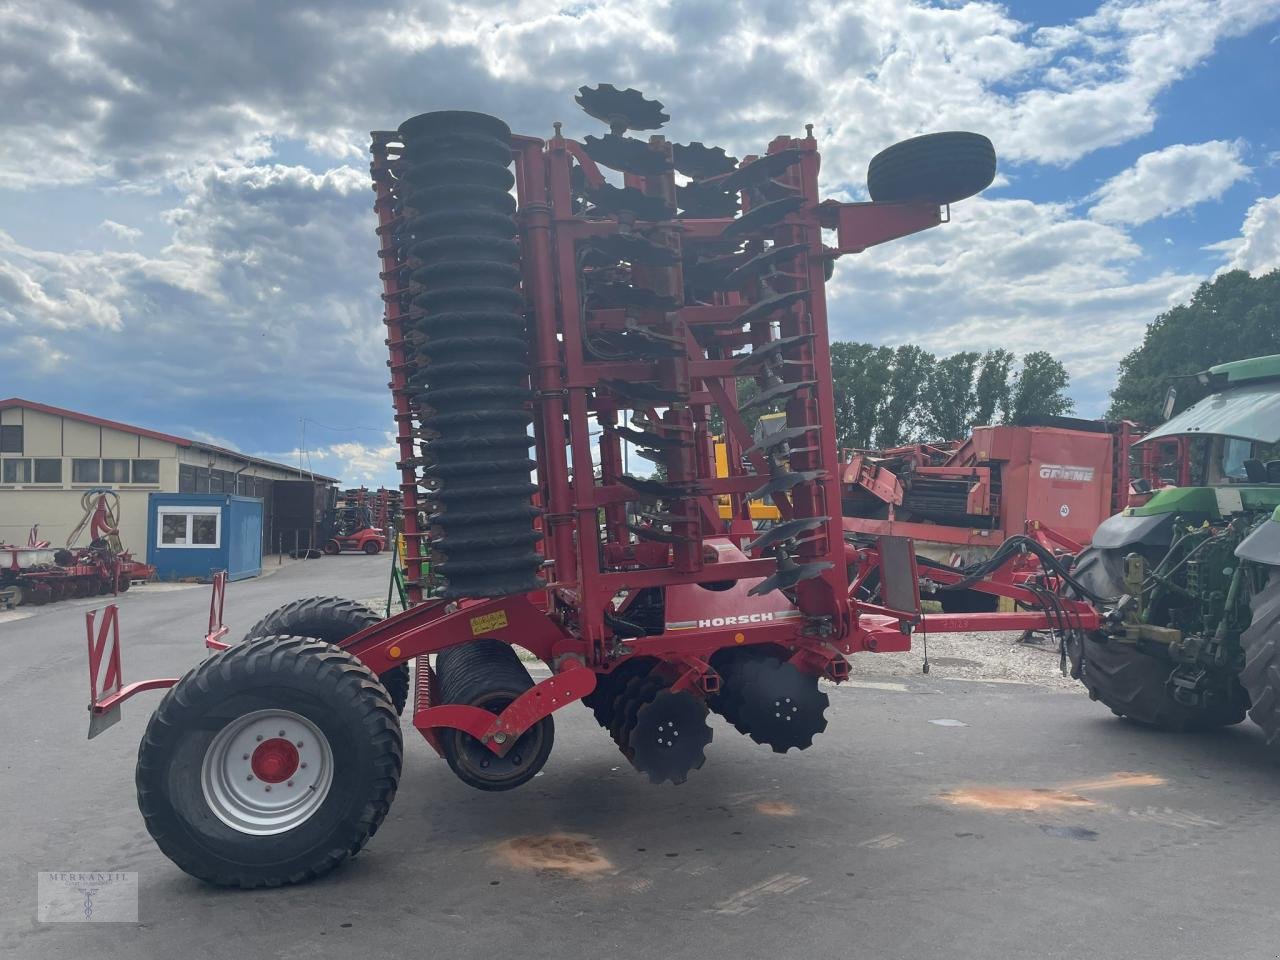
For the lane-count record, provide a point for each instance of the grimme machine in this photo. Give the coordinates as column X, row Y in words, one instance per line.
column 617, row 297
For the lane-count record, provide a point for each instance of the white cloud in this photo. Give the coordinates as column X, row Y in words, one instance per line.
column 1168, row 180
column 1257, row 249
column 139, row 93
column 120, row 231
column 1012, row 274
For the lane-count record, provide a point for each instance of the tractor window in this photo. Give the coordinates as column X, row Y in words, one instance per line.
column 1234, row 453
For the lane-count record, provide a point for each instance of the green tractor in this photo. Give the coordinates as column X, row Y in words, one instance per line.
column 1189, row 582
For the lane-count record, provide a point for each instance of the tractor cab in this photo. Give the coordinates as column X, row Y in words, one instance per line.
column 1233, row 437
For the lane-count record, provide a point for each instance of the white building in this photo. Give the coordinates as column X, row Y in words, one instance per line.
column 50, row 458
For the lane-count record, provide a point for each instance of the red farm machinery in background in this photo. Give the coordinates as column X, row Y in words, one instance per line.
column 1053, row 480
column 39, row 573
column 360, row 520
column 617, row 302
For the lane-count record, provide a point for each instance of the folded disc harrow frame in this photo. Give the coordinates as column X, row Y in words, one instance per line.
column 607, row 313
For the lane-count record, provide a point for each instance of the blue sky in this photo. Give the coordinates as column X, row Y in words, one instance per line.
column 185, row 226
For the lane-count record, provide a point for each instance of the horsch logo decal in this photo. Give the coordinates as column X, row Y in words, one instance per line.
column 740, row 620
column 1058, row 471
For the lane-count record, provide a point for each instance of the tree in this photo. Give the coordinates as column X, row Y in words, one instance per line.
column 951, row 400
column 1039, row 389
column 1234, row 317
column 991, row 392
column 860, row 376
column 900, row 414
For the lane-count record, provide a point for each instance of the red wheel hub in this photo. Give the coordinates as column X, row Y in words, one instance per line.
column 274, row 760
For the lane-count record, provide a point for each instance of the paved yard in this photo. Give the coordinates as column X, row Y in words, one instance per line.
column 937, row 816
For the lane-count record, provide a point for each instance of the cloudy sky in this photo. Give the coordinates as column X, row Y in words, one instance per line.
column 185, row 219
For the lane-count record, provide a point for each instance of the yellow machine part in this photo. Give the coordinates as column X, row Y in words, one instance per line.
column 759, row 509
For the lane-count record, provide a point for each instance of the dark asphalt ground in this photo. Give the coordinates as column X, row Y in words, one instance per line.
column 893, row 837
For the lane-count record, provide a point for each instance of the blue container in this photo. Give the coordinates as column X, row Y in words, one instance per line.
column 194, row 535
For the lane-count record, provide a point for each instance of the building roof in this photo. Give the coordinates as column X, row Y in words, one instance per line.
column 155, row 435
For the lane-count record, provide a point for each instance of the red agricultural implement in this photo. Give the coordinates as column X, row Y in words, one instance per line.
column 540, row 324
column 39, row 573
column 1054, row 480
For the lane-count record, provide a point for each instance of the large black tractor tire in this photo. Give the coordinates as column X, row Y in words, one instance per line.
column 1101, row 572
column 938, row 167
column 331, row 619
column 311, row 721
column 488, row 674
column 1135, row 685
column 1261, row 674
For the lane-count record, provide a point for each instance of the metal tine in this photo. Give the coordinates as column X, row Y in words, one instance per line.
column 657, row 516
column 626, row 154
column 661, row 536
column 625, row 295
column 765, row 215
column 642, row 439
column 779, row 437
column 771, row 305
column 788, row 574
column 776, row 392
column 766, row 352
column 633, row 248
column 642, row 392
column 761, row 169
column 782, row 532
column 654, row 489
column 784, row 481
column 758, row 264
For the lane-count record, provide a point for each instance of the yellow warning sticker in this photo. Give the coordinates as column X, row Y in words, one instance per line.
column 488, row 623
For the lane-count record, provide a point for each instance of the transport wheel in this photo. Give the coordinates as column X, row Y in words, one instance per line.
column 58, row 590
column 331, row 548
column 126, row 581
column 1135, row 685
column 938, row 167
column 781, row 706
column 331, row 619
column 270, row 763
column 1261, row 674
column 372, row 547
column 36, row 594
column 488, row 674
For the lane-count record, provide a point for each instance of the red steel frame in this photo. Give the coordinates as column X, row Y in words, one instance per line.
column 589, row 565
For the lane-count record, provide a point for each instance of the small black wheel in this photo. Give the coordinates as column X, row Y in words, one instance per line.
column 270, row 763
column 1135, row 684
column 1261, row 674
column 372, row 547
column 331, row 619
column 488, row 674
column 331, row 548
column 938, row 167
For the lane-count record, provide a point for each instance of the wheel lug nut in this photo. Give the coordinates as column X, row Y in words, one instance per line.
column 249, row 777
column 259, row 737
column 282, row 733
column 302, row 766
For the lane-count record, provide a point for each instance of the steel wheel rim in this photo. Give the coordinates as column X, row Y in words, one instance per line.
column 289, row 750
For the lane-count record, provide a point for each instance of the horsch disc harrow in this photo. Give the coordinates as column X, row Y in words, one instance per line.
column 603, row 315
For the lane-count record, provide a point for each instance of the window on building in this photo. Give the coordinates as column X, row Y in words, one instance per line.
column 115, row 471
column 186, row 478
column 191, row 527
column 146, row 471
column 48, row 471
column 86, row 471
column 15, row 471
column 11, row 439
column 202, row 480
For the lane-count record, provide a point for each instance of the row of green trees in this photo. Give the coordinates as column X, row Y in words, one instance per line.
column 888, row 396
